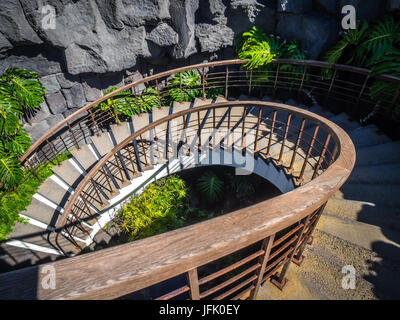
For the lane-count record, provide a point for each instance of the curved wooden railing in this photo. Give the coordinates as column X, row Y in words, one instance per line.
column 262, row 239
column 344, row 85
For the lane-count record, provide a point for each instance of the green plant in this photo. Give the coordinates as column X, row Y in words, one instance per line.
column 184, row 86
column 20, row 91
column 161, row 207
column 121, row 103
column 12, row 202
column 260, row 49
column 243, row 186
column 253, row 46
column 375, row 46
column 210, row 186
column 146, row 101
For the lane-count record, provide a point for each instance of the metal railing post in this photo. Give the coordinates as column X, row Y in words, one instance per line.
column 266, row 246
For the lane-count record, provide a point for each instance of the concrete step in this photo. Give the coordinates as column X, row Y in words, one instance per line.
column 377, row 276
column 378, row 154
column 320, row 275
column 41, row 212
column 52, row 191
column 84, row 157
column 13, row 258
column 367, row 136
column 366, row 212
column 139, row 122
column 120, row 131
column 342, row 120
column 67, row 172
column 385, row 242
column 382, row 194
column 376, row 174
column 102, row 143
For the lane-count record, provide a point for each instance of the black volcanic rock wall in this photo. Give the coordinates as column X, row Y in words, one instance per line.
column 101, row 43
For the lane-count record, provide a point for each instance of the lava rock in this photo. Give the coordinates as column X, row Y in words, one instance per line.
column 214, row 37
column 37, row 64
column 163, row 35
column 4, row 44
column 183, row 21
column 41, row 114
column 74, row 96
column 365, row 9
column 328, row 6
column 393, row 5
column 315, row 32
column 14, row 25
column 56, row 102
column 294, row 6
column 243, row 15
column 67, row 81
column 92, row 87
column 50, row 84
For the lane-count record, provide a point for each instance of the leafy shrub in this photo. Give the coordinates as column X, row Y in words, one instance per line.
column 210, row 186
column 12, row 202
column 161, row 207
column 375, row 46
column 190, row 82
column 260, row 49
column 20, row 91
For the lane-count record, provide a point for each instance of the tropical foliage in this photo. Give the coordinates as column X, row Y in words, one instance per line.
column 260, row 49
column 375, row 46
column 20, row 91
column 210, row 186
column 161, row 207
column 12, row 202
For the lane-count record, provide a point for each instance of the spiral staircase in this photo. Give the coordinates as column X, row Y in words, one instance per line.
column 291, row 145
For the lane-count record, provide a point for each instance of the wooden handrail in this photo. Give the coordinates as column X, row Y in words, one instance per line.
column 309, row 63
column 114, row 272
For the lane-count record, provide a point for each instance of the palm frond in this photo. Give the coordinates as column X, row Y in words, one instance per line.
column 257, row 55
column 26, row 87
column 10, row 170
column 211, row 186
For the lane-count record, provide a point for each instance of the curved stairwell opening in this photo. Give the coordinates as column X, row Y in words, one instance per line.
column 295, row 147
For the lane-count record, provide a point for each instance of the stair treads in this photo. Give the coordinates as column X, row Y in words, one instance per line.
column 121, row 131
column 180, row 106
column 387, row 195
column 30, row 234
column 41, row 212
column 384, row 241
column 84, row 156
column 376, row 174
column 379, row 154
column 68, row 173
column 367, row 136
column 54, row 192
column 157, row 114
column 342, row 121
column 366, row 212
column 12, row 257
column 102, row 143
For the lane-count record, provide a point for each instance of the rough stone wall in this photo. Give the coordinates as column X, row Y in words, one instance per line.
column 102, row 43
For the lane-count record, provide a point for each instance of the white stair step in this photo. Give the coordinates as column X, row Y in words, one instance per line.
column 84, row 156
column 103, row 143
column 120, row 131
